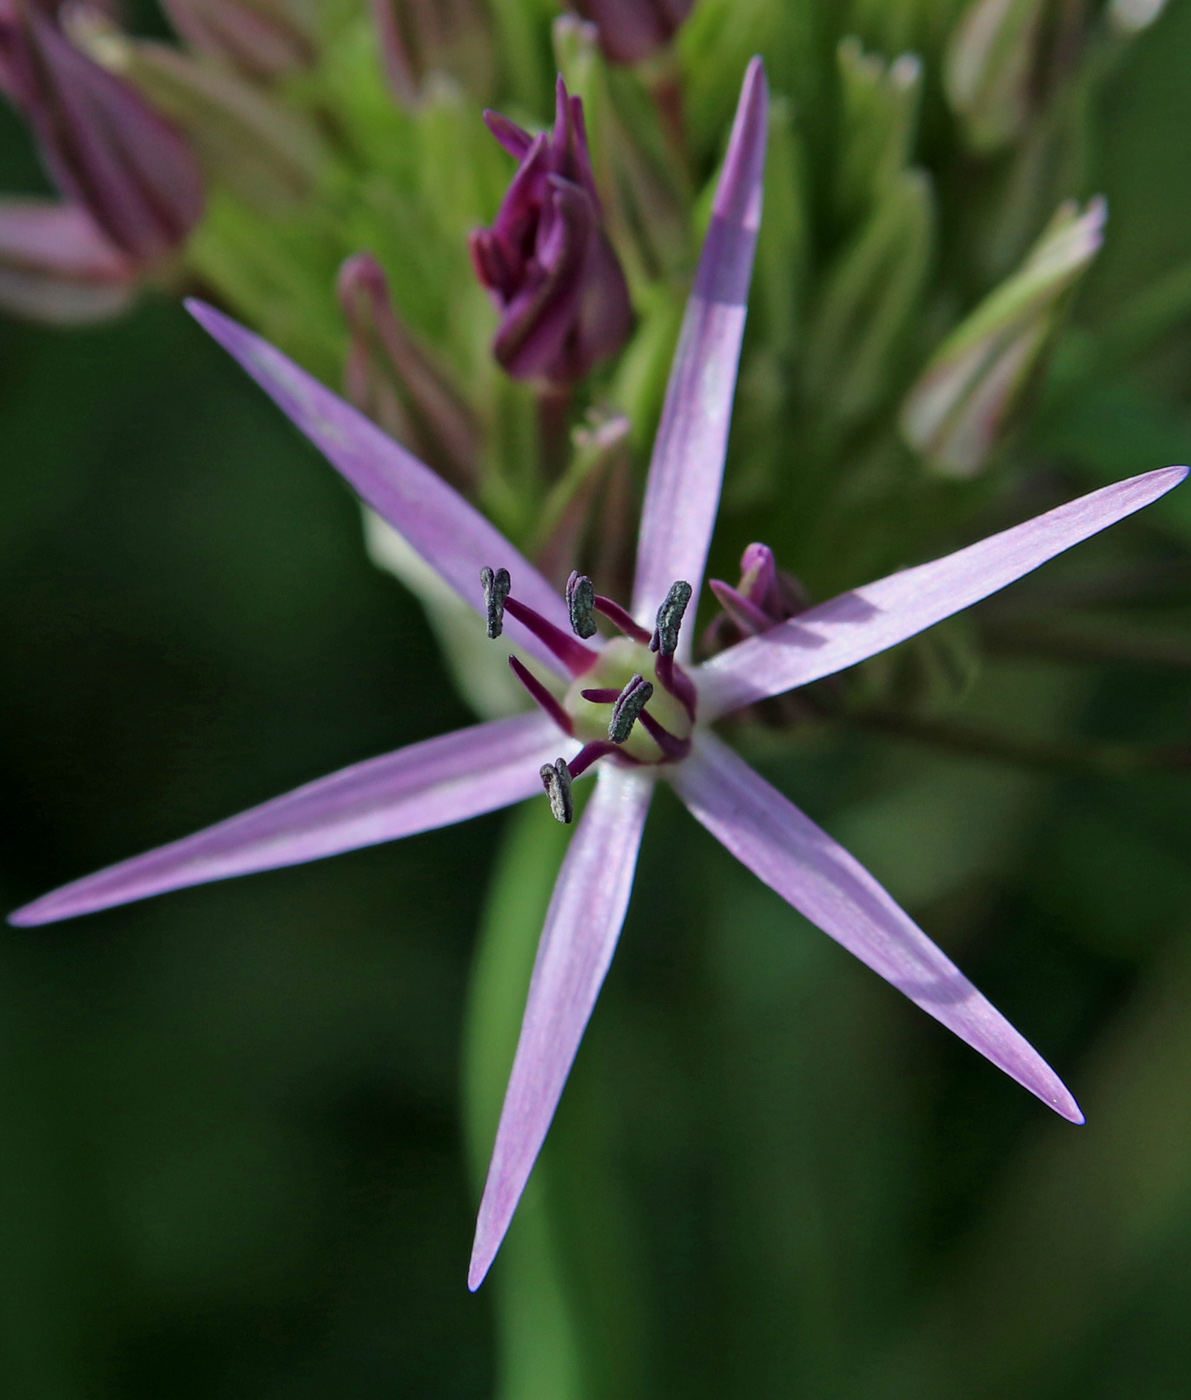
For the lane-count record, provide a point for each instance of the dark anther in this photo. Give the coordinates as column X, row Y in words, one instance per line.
column 629, row 704
column 496, row 590
column 665, row 638
column 556, row 779
column 581, row 604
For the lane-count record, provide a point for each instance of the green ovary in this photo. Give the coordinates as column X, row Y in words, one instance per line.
column 621, row 660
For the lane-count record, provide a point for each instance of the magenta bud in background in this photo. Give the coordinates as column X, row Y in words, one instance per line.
column 260, row 38
column 633, row 30
column 547, row 259
column 105, row 147
column 421, row 37
column 57, row 267
column 394, row 380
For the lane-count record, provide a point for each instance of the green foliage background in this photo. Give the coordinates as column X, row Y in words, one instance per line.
column 231, row 1159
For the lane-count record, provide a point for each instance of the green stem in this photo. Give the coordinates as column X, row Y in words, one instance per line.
column 537, row 1339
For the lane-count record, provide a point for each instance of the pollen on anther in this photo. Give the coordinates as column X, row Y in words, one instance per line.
column 556, row 779
column 581, row 605
column 496, row 590
column 665, row 637
column 627, row 708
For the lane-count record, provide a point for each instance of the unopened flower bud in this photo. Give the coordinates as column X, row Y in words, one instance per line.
column 105, row 146
column 269, row 155
column 259, row 38
column 547, row 259
column 395, row 381
column 57, row 267
column 420, row 37
column 869, row 301
column 880, row 115
column 765, row 596
column 990, row 69
column 960, row 409
column 633, row 30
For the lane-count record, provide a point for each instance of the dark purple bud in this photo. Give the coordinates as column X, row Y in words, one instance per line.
column 260, row 38
column 633, row 30
column 547, row 259
column 57, row 267
column 105, row 147
column 396, row 382
column 420, row 37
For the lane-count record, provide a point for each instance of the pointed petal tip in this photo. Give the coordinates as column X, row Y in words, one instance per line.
column 46, row 910
column 206, row 315
column 477, row 1271
column 738, row 197
column 1063, row 1102
column 1037, row 1076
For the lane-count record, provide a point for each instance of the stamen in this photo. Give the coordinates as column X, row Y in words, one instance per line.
column 629, row 704
column 674, row 679
column 622, row 620
column 588, row 754
column 665, row 637
column 574, row 655
column 496, row 590
column 670, row 744
column 581, row 604
column 542, row 696
column 556, row 779
column 601, row 696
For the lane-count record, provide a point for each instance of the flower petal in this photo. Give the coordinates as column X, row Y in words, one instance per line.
column 582, row 926
column 427, row 785
column 820, row 879
column 449, row 533
column 866, row 621
column 682, row 494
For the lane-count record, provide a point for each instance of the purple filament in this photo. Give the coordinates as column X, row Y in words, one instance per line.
column 670, row 744
column 542, row 696
column 622, row 619
column 577, row 658
column 677, row 682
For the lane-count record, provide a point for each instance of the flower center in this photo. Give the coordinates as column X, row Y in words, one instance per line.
column 588, row 704
column 630, row 700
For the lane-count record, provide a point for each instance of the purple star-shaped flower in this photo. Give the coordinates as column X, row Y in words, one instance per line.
column 636, row 711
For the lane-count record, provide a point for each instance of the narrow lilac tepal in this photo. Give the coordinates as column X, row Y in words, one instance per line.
column 629, row 709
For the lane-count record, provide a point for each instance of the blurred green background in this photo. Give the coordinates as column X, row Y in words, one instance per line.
column 231, row 1160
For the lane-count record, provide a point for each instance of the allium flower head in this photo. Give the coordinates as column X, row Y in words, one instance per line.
column 555, row 278
column 631, row 708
